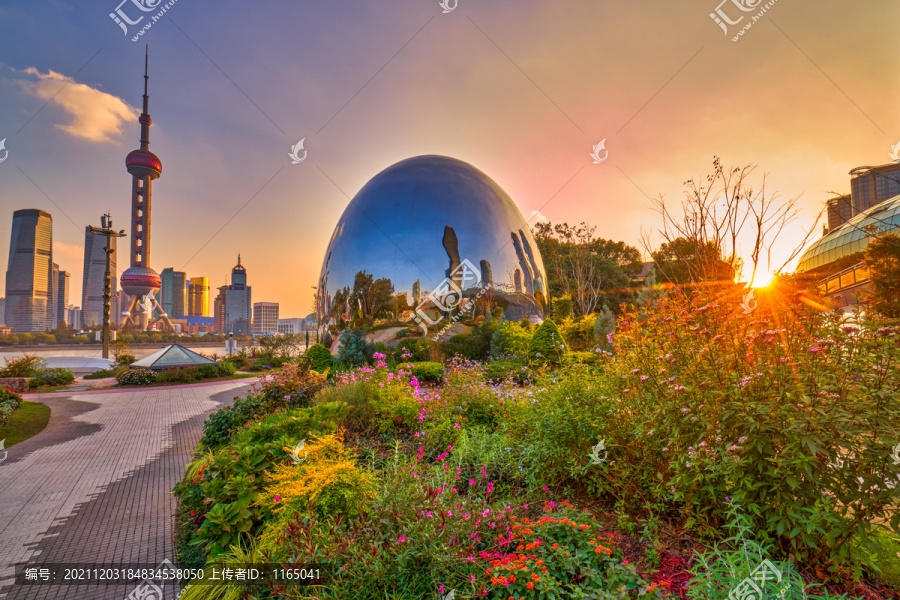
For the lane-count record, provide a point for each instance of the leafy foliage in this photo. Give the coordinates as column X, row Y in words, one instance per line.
column 724, row 570
column 510, row 339
column 579, row 333
column 52, row 377
column 24, row 366
column 218, row 427
column 563, row 308
column 222, row 487
column 592, row 271
column 882, row 260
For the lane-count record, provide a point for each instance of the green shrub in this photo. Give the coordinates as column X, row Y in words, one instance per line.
column 137, row 377
column 579, row 333
column 179, row 375
column 547, row 346
column 102, row 374
column 226, row 368
column 52, row 377
column 582, row 358
column 208, row 371
column 497, row 371
column 430, row 372
column 24, row 366
column 125, row 359
column 360, row 398
column 563, row 308
column 9, row 402
column 510, row 339
column 321, row 358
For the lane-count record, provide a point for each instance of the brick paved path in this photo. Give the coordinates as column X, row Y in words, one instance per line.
column 93, row 487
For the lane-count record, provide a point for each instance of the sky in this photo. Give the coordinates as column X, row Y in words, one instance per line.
column 522, row 90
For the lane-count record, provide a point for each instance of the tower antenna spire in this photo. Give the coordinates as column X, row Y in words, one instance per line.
column 146, row 76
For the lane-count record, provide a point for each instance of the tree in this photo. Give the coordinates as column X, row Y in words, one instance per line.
column 882, row 260
column 715, row 215
column 593, row 271
column 684, row 261
column 372, row 295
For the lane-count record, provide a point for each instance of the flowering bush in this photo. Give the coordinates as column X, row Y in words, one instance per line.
column 9, row 402
column 791, row 412
column 294, row 385
column 136, row 377
column 563, row 555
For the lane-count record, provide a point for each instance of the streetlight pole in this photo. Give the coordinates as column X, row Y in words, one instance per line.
column 108, row 232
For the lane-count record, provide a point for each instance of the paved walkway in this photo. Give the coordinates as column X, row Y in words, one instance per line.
column 93, row 487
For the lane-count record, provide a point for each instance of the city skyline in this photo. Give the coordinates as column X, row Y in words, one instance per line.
column 523, row 92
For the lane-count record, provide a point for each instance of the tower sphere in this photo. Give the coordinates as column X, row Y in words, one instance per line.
column 143, row 163
column 139, row 281
column 438, row 230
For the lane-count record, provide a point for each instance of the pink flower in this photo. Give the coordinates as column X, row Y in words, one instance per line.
column 277, row 498
column 402, row 538
column 471, row 482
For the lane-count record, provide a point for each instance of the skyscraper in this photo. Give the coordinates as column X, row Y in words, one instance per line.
column 62, row 298
column 29, row 285
column 238, row 304
column 219, row 310
column 265, row 318
column 173, row 293
column 93, row 279
column 54, row 294
column 73, row 317
column 139, row 281
column 198, row 297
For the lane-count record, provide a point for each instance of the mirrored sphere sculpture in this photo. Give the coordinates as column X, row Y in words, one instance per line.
column 429, row 241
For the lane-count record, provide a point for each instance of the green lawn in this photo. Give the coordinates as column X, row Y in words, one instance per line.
column 30, row 419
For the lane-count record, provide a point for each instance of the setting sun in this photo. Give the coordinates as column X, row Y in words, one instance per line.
column 762, row 279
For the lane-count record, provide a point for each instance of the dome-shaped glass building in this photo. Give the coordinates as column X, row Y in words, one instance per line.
column 853, row 236
column 426, row 242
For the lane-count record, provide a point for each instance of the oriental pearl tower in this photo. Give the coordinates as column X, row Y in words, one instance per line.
column 139, row 281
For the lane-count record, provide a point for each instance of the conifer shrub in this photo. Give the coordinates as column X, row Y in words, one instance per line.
column 547, row 346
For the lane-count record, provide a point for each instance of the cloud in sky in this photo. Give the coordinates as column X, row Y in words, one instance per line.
column 536, row 216
column 94, row 115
